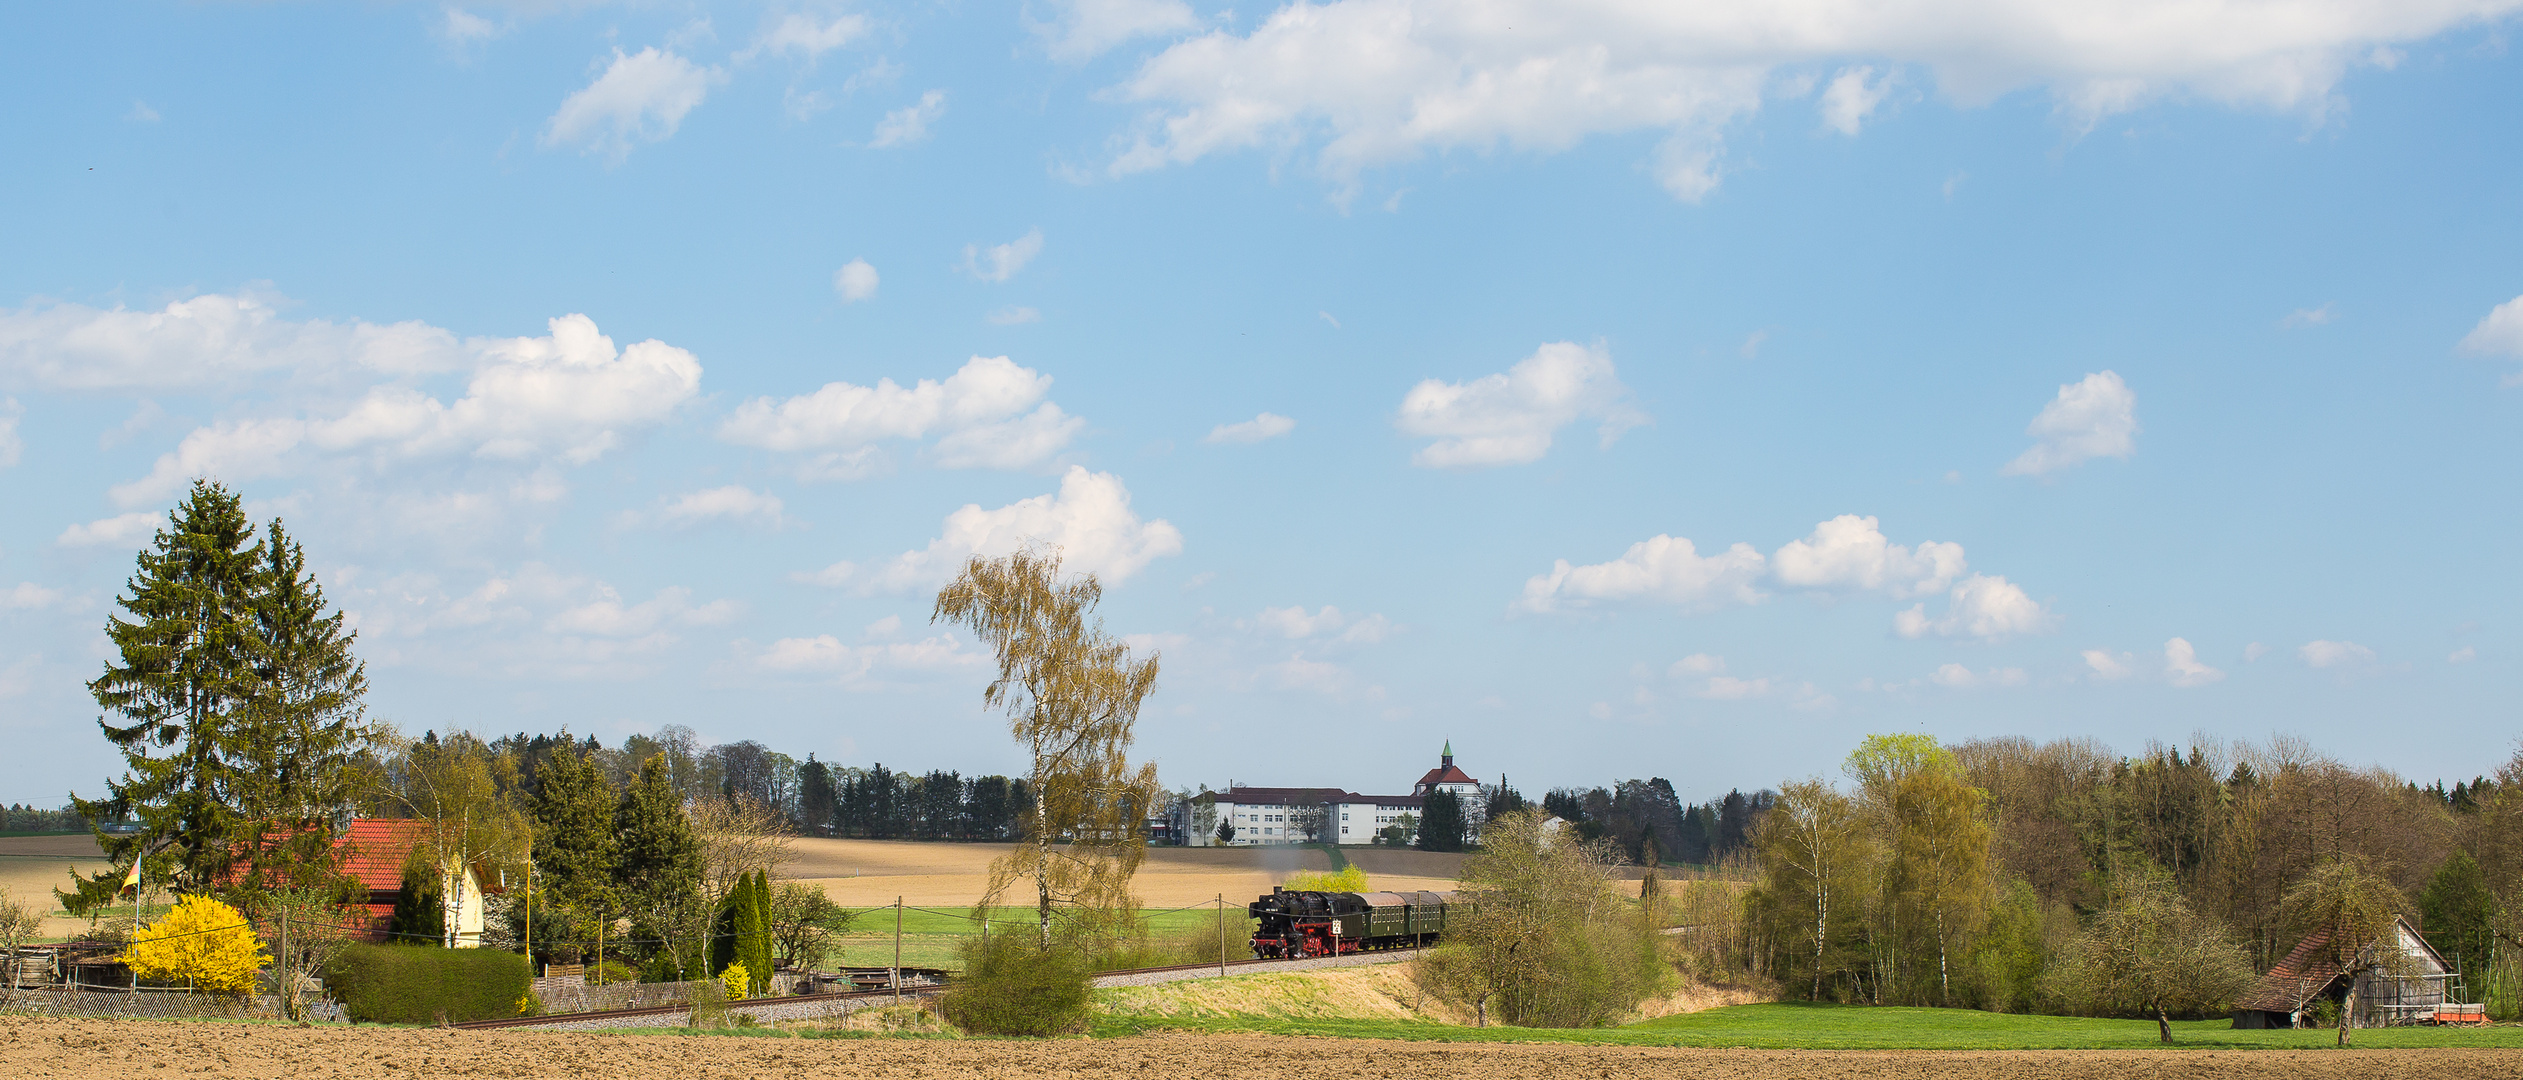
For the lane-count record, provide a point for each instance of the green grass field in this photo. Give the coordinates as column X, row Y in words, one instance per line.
column 1845, row 1027
column 935, row 938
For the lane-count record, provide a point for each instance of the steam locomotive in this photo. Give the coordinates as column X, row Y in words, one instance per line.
column 1300, row 924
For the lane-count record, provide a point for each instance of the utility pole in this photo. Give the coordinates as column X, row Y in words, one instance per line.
column 529, row 905
column 897, row 948
column 288, row 970
column 1221, row 934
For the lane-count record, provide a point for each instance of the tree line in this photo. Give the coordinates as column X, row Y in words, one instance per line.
column 1651, row 825
column 1988, row 873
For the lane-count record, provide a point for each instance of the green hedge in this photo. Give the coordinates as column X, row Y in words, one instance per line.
column 418, row 984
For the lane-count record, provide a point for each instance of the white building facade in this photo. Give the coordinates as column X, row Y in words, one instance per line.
column 1276, row 816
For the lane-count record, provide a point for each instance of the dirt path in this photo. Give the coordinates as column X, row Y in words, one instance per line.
column 119, row 1050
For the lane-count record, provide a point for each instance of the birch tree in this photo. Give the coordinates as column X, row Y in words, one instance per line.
column 450, row 785
column 1072, row 696
column 1813, row 852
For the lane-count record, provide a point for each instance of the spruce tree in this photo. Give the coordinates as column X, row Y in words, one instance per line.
column 181, row 673
column 657, row 866
column 573, row 818
column 1441, row 822
column 305, row 745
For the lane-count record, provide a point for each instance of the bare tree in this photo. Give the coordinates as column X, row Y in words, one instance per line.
column 2150, row 953
column 738, row 836
column 1072, row 696
column 20, row 921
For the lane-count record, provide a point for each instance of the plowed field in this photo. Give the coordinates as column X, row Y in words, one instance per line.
column 120, row 1050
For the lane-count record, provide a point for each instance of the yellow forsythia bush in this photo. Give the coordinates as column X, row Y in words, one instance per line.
column 737, row 979
column 203, row 942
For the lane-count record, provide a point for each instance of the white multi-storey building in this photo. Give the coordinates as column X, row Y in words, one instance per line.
column 1244, row 816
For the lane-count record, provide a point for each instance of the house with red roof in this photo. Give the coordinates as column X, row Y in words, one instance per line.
column 375, row 850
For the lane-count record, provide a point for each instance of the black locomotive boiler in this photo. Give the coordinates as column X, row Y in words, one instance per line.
column 1299, row 924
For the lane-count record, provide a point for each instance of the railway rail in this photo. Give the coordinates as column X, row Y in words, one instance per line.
column 608, row 1017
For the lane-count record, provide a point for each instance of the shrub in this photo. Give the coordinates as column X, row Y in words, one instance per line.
column 1011, row 987
column 401, row 984
column 203, row 942
column 737, row 980
column 1346, row 879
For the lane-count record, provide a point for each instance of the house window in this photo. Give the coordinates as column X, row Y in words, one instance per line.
column 1344, row 830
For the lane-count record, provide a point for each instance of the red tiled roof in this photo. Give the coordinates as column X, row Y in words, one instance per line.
column 374, row 851
column 2302, row 976
column 1446, row 774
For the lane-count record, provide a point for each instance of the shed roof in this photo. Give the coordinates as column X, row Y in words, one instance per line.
column 2309, row 970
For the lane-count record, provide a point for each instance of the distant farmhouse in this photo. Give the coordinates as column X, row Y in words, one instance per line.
column 1271, row 816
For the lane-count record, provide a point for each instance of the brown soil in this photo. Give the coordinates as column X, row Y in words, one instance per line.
column 120, row 1050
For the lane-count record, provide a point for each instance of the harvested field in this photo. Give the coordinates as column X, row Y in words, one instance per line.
column 31, row 867
column 870, row 873
column 100, row 1049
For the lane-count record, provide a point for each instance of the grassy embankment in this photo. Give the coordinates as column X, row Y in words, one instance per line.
column 934, row 938
column 1834, row 1027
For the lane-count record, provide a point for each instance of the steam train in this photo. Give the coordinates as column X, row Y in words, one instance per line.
column 1300, row 924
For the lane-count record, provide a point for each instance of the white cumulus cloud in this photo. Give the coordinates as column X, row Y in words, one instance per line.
column 1089, row 520
column 734, row 502
column 642, row 97
column 910, row 123
column 1085, row 29
column 1982, row 606
column 570, row 395
column 999, row 262
column 1511, row 417
column 826, row 655
column 121, row 530
column 1358, row 84
column 800, row 34
column 2499, row 334
column 1667, row 569
column 1294, row 623
column 1263, row 426
column 2093, row 418
column 1852, row 97
column 2182, row 666
column 12, row 448
column 208, row 341
column 855, row 281
column 2335, row 654
column 989, row 414
column 1850, row 552
column 28, row 596
column 1958, row 677
column 2104, row 666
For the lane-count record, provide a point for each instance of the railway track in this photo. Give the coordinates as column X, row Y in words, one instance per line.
column 606, row 1017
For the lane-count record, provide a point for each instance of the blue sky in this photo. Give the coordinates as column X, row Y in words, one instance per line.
column 1614, row 389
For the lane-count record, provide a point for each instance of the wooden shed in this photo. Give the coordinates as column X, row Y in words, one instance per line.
column 2422, row 989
